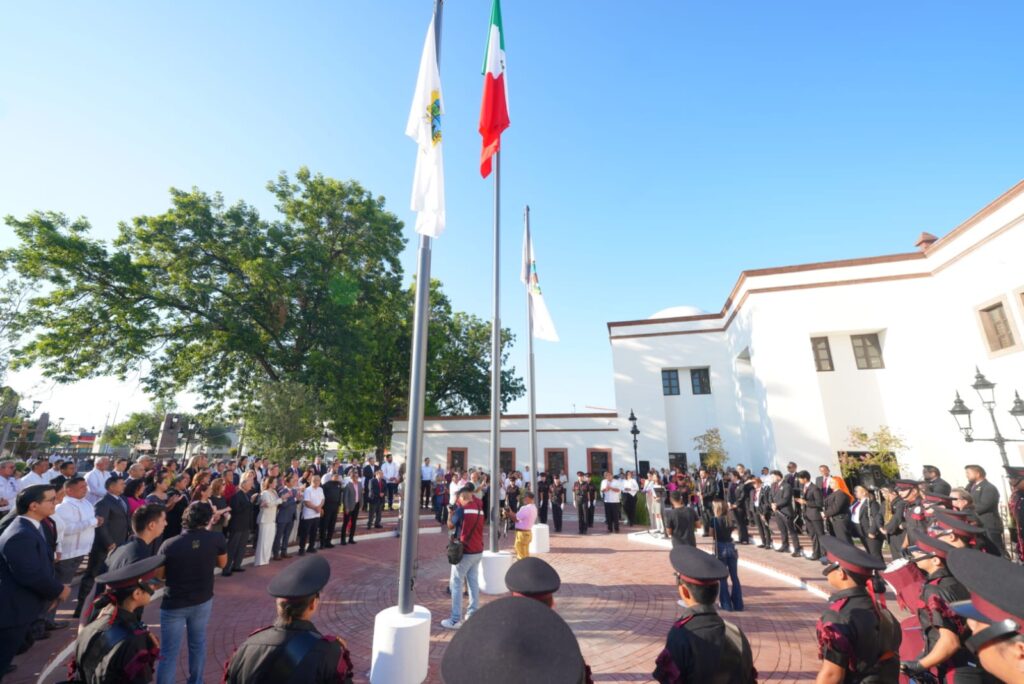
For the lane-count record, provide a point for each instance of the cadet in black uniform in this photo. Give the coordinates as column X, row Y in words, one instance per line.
column 514, row 640
column 995, row 611
column 907, row 496
column 292, row 650
column 543, row 497
column 116, row 648
column 944, row 632
column 701, row 646
column 858, row 639
column 557, row 501
column 583, row 496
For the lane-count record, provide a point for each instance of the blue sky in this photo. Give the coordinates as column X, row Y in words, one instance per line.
column 662, row 146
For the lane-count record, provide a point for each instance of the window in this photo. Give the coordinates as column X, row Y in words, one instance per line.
column 700, row 380
column 507, row 460
column 600, row 461
column 669, row 382
column 867, row 351
column 822, row 354
column 554, row 461
column 456, row 459
column 997, row 327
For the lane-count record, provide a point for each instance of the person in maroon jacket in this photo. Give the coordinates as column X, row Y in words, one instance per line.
column 467, row 524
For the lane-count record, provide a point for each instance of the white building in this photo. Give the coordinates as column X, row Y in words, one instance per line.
column 800, row 354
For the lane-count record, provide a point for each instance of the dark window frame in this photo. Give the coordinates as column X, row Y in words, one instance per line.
column 670, row 382
column 862, row 353
column 821, row 361
column 700, row 381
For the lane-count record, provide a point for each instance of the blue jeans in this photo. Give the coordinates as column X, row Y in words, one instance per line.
column 730, row 600
column 465, row 571
column 173, row 623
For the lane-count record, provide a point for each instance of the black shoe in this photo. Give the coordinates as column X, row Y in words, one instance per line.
column 797, row 554
column 238, row 570
column 285, row 555
column 782, row 550
column 378, row 527
column 77, row 614
column 311, row 550
column 351, row 541
column 342, row 542
column 54, row 626
column 43, row 635
column 225, row 574
column 327, row 546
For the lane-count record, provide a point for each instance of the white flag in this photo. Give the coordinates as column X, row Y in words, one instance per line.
column 543, row 326
column 424, row 126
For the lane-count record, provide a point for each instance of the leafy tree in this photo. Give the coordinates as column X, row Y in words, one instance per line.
column 221, row 301
column 880, row 448
column 285, row 421
column 14, row 292
column 712, row 449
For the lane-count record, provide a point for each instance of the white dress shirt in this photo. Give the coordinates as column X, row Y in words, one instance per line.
column 608, row 495
column 97, row 480
column 315, row 496
column 77, row 520
column 630, row 487
column 8, row 492
column 31, row 479
column 390, row 471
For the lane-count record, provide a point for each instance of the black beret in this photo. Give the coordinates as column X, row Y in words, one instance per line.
column 532, row 575
column 697, row 567
column 513, row 640
column 929, row 544
column 1015, row 472
column 850, row 557
column 996, row 586
column 132, row 573
column 906, row 484
column 302, row 578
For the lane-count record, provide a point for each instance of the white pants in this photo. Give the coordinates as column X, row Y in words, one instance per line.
column 265, row 543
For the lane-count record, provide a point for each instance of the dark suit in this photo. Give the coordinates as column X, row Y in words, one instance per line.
column 285, row 520
column 837, row 510
column 709, row 491
column 367, row 473
column 27, row 584
column 378, row 490
column 824, row 487
column 761, row 506
column 329, row 518
column 782, row 498
column 896, row 529
column 814, row 525
column 939, row 486
column 238, row 529
column 986, row 505
column 320, row 470
column 350, row 500
column 737, row 495
column 870, row 523
column 113, row 532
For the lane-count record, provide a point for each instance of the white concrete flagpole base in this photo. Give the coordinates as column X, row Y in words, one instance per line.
column 541, row 542
column 493, row 567
column 401, row 646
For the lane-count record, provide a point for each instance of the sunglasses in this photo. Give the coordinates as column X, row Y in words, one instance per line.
column 831, row 567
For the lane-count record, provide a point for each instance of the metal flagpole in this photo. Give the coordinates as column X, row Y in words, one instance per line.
column 532, row 388
column 496, row 363
column 417, row 387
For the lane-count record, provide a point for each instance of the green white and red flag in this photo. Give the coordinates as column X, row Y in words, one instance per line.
column 494, row 108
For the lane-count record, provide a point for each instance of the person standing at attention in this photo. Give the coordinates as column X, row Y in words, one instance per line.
column 267, row 520
column 611, row 494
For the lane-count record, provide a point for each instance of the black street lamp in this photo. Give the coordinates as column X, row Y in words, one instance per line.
column 635, row 431
column 986, row 391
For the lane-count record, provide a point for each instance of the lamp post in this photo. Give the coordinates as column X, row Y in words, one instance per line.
column 187, row 434
column 635, row 431
column 986, row 392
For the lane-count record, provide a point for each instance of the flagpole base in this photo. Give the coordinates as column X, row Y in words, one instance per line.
column 493, row 567
column 541, row 542
column 401, row 646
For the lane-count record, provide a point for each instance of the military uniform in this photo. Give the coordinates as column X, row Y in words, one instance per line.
column 543, row 498
column 116, row 647
column 557, row 501
column 292, row 651
column 584, row 494
column 1015, row 475
column 855, row 632
column 701, row 646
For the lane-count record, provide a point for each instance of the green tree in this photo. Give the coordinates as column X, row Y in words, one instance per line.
column 14, row 292
column 216, row 299
column 880, row 448
column 711, row 447
column 285, row 421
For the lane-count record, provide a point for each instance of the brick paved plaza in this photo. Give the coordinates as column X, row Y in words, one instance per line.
column 618, row 595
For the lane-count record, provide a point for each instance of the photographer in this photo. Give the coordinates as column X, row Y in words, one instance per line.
column 467, row 526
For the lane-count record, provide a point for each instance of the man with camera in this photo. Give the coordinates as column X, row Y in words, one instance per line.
column 467, row 530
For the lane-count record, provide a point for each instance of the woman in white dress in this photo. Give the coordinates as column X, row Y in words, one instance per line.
column 267, row 520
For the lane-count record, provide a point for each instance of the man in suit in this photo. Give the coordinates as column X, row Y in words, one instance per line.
column 368, row 470
column 824, row 481
column 378, row 491
column 708, row 489
column 934, row 482
column 286, row 513
column 319, row 467
column 350, row 499
column 27, row 579
column 113, row 532
column 332, row 486
column 761, row 505
column 811, row 501
column 986, row 505
column 239, row 526
column 782, row 511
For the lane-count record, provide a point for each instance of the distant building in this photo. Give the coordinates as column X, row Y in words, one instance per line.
column 800, row 354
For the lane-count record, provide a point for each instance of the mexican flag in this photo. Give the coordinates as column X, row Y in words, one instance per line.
column 494, row 108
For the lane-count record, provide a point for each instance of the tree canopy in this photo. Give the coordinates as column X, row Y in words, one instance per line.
column 219, row 300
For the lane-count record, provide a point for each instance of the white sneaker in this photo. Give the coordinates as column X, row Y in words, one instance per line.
column 448, row 624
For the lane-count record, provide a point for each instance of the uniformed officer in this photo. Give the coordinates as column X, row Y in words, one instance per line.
column 944, row 632
column 514, row 640
column 557, row 501
column 701, row 646
column 959, row 531
column 292, row 650
column 858, row 639
column 533, row 578
column 115, row 646
column 583, row 496
column 995, row 611
column 1016, row 476
column 907, row 514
